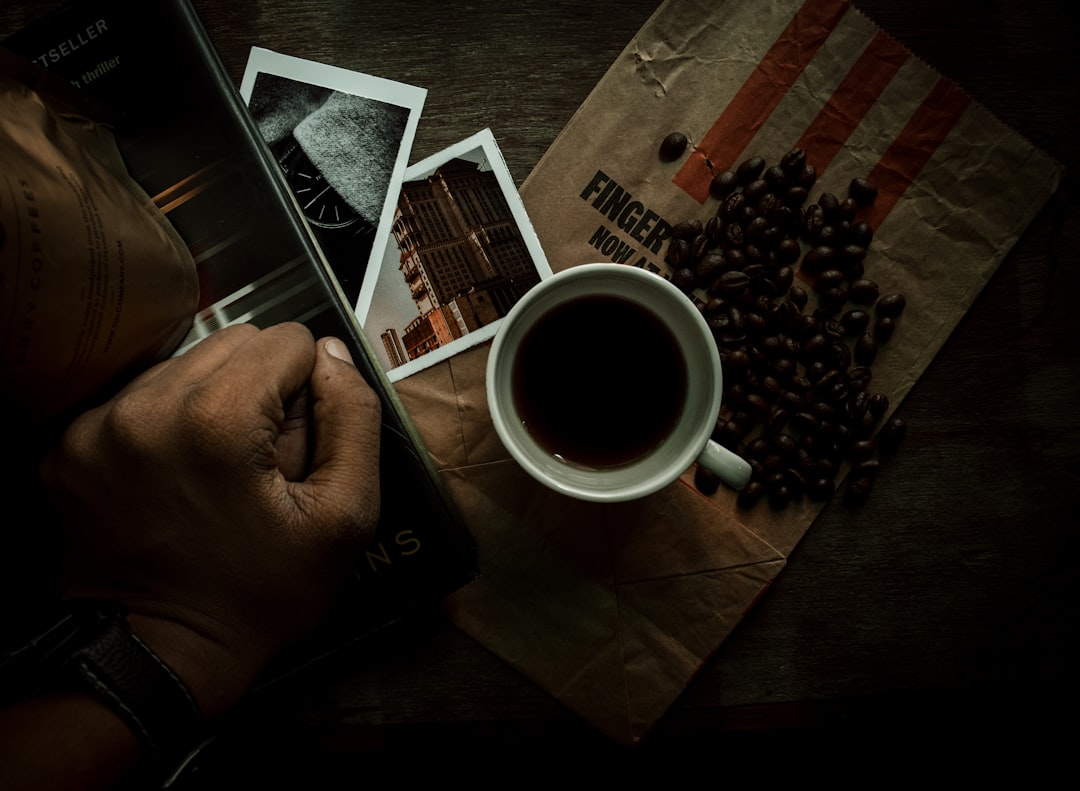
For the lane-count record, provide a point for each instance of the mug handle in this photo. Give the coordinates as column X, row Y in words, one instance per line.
column 731, row 468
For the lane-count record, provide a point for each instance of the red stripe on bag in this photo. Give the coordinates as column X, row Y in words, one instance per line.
column 852, row 100
column 759, row 95
column 914, row 146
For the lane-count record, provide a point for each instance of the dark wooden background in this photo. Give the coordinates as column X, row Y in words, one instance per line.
column 942, row 610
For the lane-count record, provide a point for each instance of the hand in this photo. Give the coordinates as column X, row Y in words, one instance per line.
column 219, row 496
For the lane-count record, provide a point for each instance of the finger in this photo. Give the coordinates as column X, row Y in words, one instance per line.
column 269, row 368
column 344, row 481
column 198, row 362
column 293, row 444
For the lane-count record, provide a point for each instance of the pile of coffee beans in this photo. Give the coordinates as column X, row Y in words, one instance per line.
column 783, row 284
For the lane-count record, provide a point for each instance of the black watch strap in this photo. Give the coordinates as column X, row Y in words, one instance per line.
column 92, row 644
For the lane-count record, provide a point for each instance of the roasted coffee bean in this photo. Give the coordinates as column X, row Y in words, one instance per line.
column 750, row 169
column 793, row 161
column 677, row 253
column 698, row 246
column 784, row 277
column 732, row 433
column 891, row 305
column 813, row 222
column 767, row 285
column 713, row 306
column 792, row 402
column 861, row 233
column 858, row 489
column 830, row 205
column 839, row 355
column 683, row 278
column 709, row 267
column 833, row 298
column 687, row 229
column 788, row 251
column 756, row 190
column 754, row 254
column 818, row 259
column 737, row 362
column 892, row 435
column 821, row 488
column 796, row 483
column 705, row 480
column 852, row 254
column 884, row 328
column 714, row 229
column 863, row 291
column 784, row 367
column 865, row 425
column 815, row 346
column 862, row 450
column 860, row 377
column 846, row 212
column 796, row 196
column 777, row 178
column 866, row 469
column 829, row 278
column 831, row 327
column 855, row 270
column 778, row 420
column 771, row 346
column 673, row 146
column 779, row 494
column 767, row 205
column 798, row 295
column 807, row 176
column 805, row 422
column 733, row 234
column 855, row 322
column 865, row 349
column 860, row 402
column 787, row 219
column 757, row 448
column 733, row 205
column 723, row 183
column 750, row 494
column 862, row 191
column 736, row 259
column 758, row 405
column 724, row 330
column 755, row 228
column 879, row 404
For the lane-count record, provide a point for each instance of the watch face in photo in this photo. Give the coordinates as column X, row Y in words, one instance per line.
column 321, row 204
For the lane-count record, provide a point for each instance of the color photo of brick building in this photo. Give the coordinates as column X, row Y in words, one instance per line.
column 462, row 256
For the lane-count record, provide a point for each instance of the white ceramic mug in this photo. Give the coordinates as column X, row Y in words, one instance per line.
column 592, row 311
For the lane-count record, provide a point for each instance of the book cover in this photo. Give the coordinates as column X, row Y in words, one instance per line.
column 188, row 139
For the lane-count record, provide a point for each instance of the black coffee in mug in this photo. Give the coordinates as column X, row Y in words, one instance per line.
column 599, row 381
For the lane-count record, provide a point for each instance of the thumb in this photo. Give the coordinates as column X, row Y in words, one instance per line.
column 342, row 490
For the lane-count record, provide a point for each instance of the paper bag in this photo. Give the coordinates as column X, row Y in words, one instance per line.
column 614, row 608
column 94, row 282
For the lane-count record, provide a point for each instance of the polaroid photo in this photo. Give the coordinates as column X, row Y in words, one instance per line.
column 462, row 251
column 343, row 140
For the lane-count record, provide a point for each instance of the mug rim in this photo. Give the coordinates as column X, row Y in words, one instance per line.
column 590, row 484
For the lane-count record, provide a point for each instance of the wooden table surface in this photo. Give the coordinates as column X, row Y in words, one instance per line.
column 946, row 605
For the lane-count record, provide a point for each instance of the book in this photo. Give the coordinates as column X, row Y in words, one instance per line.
column 190, row 142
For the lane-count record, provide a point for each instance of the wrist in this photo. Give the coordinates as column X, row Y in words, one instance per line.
column 132, row 664
column 217, row 675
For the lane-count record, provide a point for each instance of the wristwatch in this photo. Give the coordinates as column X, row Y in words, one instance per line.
column 345, row 236
column 88, row 646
